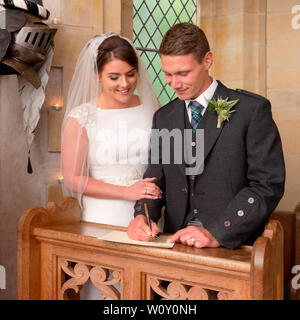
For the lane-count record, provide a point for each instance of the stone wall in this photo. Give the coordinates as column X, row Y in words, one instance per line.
column 77, row 21
column 283, row 87
column 256, row 45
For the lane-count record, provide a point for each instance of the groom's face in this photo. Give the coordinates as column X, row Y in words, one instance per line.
column 186, row 75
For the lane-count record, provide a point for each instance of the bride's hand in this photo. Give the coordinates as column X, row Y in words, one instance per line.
column 143, row 189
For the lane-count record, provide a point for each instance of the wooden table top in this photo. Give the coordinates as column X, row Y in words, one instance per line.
column 86, row 234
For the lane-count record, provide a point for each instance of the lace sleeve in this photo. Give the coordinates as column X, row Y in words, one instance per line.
column 81, row 114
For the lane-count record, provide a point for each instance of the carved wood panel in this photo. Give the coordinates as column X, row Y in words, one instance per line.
column 74, row 274
column 176, row 290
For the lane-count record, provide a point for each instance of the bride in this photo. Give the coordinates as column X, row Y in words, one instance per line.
column 106, row 131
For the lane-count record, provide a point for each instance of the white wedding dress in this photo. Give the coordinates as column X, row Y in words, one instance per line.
column 118, row 154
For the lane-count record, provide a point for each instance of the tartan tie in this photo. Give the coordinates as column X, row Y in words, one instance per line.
column 196, row 113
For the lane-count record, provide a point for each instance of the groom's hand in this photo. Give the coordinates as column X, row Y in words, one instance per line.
column 138, row 229
column 195, row 237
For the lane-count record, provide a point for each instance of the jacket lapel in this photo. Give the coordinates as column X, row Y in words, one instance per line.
column 176, row 120
column 209, row 122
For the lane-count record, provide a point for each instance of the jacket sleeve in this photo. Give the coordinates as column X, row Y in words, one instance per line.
column 246, row 215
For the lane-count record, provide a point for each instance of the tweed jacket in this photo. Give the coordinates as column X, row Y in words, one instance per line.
column 243, row 176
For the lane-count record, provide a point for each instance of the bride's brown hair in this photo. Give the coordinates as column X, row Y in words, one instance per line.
column 116, row 47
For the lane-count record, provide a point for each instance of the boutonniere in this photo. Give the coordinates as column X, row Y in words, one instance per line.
column 223, row 108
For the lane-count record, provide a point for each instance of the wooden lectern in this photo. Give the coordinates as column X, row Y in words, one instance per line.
column 58, row 254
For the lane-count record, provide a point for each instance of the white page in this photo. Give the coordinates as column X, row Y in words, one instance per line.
column 121, row 236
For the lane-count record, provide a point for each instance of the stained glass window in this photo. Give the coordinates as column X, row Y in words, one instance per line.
column 151, row 20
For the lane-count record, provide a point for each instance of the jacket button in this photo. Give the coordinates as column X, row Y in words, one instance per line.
column 184, row 190
column 227, row 223
column 240, row 213
column 193, row 162
column 251, row 200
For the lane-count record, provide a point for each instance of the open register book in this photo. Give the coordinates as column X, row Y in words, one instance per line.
column 121, row 236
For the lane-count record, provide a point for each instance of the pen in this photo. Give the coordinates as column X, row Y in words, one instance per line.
column 147, row 215
column 148, row 219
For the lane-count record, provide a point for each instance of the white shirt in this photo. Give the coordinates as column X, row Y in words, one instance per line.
column 203, row 98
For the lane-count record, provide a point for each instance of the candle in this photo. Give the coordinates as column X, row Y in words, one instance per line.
column 61, row 180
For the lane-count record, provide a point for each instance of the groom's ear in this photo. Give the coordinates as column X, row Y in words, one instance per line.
column 208, row 60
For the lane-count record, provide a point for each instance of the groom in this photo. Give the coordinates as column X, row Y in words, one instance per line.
column 228, row 203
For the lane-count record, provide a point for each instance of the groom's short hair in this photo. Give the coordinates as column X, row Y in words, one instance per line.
column 185, row 38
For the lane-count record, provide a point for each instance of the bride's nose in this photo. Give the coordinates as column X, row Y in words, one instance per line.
column 124, row 82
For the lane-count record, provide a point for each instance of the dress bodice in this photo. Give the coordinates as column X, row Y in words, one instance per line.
column 118, row 142
column 118, row 154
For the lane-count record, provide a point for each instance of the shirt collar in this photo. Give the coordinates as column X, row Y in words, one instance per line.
column 205, row 96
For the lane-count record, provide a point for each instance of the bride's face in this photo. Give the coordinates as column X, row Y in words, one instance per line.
column 119, row 80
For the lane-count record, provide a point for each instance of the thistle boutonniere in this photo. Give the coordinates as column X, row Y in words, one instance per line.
column 223, row 108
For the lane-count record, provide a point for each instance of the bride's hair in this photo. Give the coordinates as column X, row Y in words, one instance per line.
column 116, row 48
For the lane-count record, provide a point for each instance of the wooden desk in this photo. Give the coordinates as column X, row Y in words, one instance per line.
column 295, row 293
column 290, row 222
column 57, row 253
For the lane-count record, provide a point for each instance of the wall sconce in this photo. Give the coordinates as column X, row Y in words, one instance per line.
column 54, row 102
column 55, row 188
column 54, row 95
